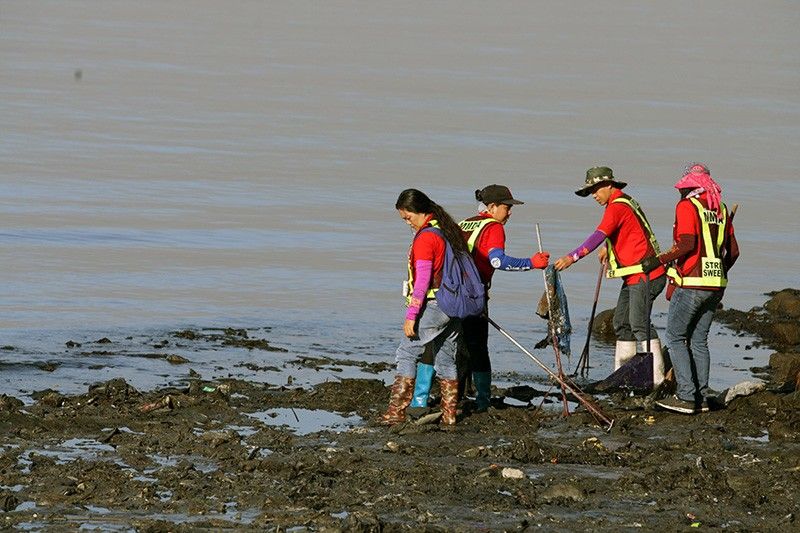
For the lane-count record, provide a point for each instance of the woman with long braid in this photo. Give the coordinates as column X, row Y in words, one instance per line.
column 425, row 322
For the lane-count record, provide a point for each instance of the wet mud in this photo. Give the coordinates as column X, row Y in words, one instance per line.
column 233, row 454
column 777, row 322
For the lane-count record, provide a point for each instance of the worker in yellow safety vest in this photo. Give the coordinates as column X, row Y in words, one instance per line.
column 628, row 240
column 704, row 249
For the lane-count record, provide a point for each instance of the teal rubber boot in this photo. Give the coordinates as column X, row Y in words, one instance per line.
column 423, row 385
column 482, row 381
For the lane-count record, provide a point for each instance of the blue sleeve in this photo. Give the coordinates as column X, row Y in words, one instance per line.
column 500, row 261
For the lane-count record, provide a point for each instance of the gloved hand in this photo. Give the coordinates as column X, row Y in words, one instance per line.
column 540, row 259
column 650, row 263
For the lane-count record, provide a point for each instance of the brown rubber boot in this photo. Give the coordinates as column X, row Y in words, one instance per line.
column 402, row 391
column 449, row 389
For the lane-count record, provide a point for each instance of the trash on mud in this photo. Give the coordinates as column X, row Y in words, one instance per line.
column 594, row 443
column 553, row 308
column 430, row 418
column 166, row 401
column 472, row 453
column 512, row 473
column 745, row 388
column 489, row 471
column 635, row 375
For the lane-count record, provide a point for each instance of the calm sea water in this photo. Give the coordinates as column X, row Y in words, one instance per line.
column 210, row 164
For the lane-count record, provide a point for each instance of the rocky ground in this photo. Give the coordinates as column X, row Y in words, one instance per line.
column 210, row 457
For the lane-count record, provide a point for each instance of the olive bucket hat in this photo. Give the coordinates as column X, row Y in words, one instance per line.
column 599, row 176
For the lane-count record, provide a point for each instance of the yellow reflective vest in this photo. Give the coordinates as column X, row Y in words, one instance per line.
column 708, row 272
column 408, row 286
column 615, row 270
column 472, row 228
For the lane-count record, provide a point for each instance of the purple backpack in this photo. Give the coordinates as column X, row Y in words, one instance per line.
column 461, row 292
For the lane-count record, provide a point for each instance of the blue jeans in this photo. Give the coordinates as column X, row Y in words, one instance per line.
column 442, row 332
column 632, row 312
column 690, row 314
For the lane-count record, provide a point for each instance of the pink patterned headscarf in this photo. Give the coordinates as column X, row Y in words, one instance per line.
column 697, row 176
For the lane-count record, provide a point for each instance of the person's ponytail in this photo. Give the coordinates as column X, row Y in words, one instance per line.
column 416, row 201
column 450, row 229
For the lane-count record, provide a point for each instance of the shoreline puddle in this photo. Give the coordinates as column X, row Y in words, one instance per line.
column 306, row 421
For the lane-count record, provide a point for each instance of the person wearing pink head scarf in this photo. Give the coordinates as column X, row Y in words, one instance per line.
column 704, row 249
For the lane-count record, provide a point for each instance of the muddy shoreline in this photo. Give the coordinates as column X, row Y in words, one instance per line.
column 233, row 454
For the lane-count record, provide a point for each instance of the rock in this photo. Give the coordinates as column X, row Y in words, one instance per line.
column 603, row 326
column 217, row 438
column 117, row 388
column 791, row 401
column 48, row 397
column 786, row 333
column 363, row 522
column 8, row 502
column 523, row 393
column 779, row 430
column 564, row 491
column 784, row 303
column 9, row 403
column 785, row 367
column 739, row 482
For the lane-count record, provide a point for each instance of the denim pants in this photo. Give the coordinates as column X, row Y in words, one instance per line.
column 690, row 314
column 633, row 306
column 435, row 327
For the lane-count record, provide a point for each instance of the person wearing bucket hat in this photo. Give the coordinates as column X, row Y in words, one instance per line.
column 704, row 249
column 628, row 240
column 597, row 177
column 486, row 241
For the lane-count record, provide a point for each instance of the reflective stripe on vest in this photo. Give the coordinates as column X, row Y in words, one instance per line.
column 408, row 288
column 712, row 274
column 614, row 270
column 474, row 228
